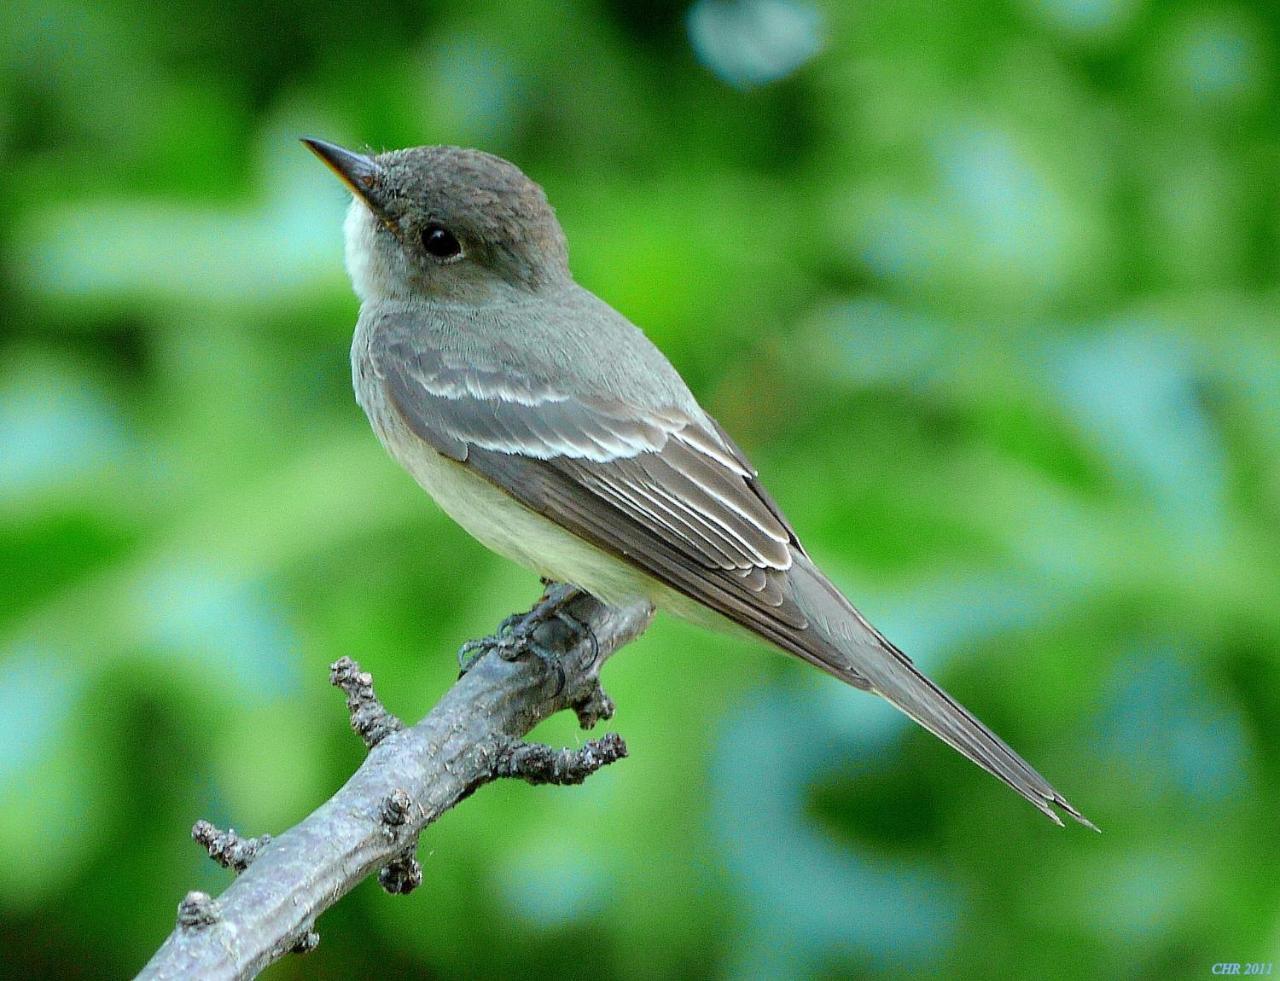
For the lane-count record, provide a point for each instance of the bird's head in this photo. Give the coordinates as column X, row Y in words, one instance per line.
column 443, row 222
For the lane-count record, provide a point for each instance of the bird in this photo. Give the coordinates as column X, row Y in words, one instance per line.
column 555, row 432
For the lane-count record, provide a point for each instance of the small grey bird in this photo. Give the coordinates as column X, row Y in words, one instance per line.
column 550, row 428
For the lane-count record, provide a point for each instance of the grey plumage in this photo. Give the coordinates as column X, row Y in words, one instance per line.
column 550, row 427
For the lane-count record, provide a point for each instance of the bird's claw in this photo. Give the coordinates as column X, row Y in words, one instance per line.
column 515, row 637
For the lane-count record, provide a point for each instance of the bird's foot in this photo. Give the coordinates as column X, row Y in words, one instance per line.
column 517, row 637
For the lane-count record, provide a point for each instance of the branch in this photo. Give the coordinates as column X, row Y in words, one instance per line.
column 410, row 777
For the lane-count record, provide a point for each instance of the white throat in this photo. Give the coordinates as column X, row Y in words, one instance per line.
column 374, row 271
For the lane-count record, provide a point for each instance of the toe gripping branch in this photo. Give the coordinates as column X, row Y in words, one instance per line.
column 544, row 631
column 550, row 632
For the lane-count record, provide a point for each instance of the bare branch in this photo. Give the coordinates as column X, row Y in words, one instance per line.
column 410, row 777
column 535, row 763
column 369, row 720
column 227, row 848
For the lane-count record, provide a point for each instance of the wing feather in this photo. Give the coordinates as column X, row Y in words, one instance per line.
column 660, row 489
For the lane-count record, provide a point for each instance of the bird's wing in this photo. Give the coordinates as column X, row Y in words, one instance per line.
column 670, row 494
column 659, row 488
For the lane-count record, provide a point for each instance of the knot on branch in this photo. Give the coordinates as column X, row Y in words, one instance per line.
column 308, row 941
column 395, row 808
column 402, row 875
column 227, row 848
column 369, row 718
column 197, row 910
column 537, row 764
column 593, row 707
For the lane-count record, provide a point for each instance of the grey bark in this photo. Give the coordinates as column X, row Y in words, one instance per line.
column 410, row 777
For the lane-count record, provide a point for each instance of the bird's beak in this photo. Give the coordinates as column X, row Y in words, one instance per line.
column 359, row 172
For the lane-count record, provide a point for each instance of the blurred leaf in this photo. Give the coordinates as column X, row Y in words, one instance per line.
column 750, row 42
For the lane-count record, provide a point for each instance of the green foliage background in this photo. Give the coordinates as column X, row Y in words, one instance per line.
column 988, row 291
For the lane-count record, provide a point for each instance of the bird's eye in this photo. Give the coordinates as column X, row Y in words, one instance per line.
column 439, row 242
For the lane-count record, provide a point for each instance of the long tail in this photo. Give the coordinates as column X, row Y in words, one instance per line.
column 847, row 646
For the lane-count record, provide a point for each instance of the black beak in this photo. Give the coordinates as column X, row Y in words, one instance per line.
column 360, row 173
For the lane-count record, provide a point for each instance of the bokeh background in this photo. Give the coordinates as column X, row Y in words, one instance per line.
column 987, row 290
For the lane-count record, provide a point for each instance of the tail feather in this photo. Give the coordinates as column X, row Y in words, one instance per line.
column 847, row 646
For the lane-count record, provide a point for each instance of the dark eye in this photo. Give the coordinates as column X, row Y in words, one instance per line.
column 439, row 242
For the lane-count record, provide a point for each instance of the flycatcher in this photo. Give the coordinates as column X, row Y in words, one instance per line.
column 550, row 428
